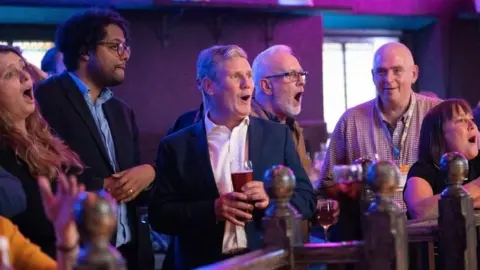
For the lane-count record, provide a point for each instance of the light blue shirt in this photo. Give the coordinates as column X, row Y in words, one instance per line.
column 123, row 231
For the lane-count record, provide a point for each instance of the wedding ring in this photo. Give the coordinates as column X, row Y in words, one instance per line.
column 130, row 191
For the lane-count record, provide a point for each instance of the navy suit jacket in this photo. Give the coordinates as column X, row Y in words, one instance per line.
column 187, row 119
column 183, row 205
column 12, row 196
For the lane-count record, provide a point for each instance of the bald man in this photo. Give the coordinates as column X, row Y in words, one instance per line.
column 388, row 126
column 279, row 85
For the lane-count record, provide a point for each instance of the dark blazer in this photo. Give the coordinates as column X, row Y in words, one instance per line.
column 185, row 193
column 12, row 196
column 187, row 119
column 32, row 222
column 64, row 107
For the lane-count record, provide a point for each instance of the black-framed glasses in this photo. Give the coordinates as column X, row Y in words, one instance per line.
column 292, row 75
column 118, row 47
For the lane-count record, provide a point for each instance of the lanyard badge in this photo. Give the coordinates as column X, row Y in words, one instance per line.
column 408, row 118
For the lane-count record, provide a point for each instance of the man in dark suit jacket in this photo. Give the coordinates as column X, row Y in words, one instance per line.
column 194, row 199
column 187, row 119
column 12, row 195
column 99, row 127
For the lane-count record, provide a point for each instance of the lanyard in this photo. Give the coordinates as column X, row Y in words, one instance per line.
column 397, row 150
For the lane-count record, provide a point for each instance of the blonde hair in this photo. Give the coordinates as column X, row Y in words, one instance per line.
column 45, row 154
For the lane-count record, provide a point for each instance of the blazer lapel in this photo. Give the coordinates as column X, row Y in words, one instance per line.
column 119, row 129
column 80, row 105
column 255, row 137
column 202, row 156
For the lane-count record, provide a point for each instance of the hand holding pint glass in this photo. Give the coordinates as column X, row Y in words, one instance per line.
column 237, row 206
column 242, row 180
column 242, row 173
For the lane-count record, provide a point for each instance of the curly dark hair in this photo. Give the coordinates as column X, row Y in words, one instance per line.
column 82, row 32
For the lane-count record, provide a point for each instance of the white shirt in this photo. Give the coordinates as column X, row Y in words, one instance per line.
column 225, row 146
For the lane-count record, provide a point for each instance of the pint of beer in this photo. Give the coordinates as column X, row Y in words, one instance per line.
column 242, row 173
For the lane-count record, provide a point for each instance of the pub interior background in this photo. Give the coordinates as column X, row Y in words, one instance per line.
column 333, row 39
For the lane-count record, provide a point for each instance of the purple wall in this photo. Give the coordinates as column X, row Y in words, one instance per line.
column 464, row 60
column 380, row 7
column 160, row 83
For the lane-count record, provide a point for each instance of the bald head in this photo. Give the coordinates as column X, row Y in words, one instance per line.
column 394, row 50
column 394, row 72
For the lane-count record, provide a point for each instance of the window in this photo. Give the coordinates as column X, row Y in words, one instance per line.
column 347, row 80
column 33, row 51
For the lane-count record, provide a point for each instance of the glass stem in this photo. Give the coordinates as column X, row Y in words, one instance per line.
column 325, row 233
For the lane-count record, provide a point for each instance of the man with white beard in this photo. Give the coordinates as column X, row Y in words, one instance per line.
column 279, row 85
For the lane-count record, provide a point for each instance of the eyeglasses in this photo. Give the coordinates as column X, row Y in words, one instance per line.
column 119, row 48
column 292, row 75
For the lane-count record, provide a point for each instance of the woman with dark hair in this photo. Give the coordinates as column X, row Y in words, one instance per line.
column 448, row 127
column 28, row 149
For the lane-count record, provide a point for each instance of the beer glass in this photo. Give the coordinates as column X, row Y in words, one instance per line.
column 242, row 173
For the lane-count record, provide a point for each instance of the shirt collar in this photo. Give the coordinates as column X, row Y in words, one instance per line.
column 405, row 115
column 210, row 126
column 105, row 95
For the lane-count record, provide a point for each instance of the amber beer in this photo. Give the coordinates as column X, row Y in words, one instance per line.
column 242, row 173
column 239, row 179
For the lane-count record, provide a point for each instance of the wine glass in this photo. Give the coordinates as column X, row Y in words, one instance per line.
column 347, row 174
column 349, row 179
column 325, row 215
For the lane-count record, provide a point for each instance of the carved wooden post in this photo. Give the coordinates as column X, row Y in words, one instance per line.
column 96, row 219
column 386, row 244
column 281, row 224
column 367, row 196
column 457, row 233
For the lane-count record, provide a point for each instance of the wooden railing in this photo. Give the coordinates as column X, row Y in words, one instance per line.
column 387, row 234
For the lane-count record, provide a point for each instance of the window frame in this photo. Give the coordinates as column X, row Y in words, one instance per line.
column 343, row 37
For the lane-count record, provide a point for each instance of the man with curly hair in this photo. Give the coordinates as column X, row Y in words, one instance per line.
column 97, row 125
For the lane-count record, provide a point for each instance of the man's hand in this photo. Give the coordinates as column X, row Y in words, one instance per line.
column 126, row 185
column 255, row 192
column 232, row 205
